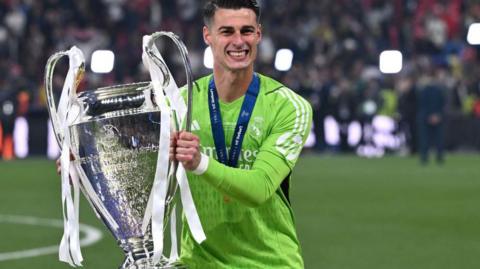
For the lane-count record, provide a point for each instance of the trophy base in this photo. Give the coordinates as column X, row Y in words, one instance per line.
column 147, row 264
column 139, row 255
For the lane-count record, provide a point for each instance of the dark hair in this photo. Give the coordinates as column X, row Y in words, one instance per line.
column 212, row 5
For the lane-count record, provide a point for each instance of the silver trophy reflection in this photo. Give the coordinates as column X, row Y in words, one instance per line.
column 114, row 135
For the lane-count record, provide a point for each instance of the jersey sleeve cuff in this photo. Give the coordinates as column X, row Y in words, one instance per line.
column 202, row 166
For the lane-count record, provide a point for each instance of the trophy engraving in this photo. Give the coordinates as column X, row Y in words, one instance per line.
column 117, row 137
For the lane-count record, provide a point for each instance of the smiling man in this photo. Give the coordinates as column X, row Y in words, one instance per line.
column 249, row 131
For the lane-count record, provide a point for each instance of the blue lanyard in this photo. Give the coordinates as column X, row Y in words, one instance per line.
column 242, row 121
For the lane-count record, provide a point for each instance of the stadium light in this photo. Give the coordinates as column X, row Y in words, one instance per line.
column 20, row 136
column 473, row 35
column 283, row 59
column 102, row 61
column 390, row 61
column 354, row 133
column 208, row 58
column 332, row 131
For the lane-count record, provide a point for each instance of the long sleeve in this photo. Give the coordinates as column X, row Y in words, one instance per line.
column 251, row 187
column 277, row 155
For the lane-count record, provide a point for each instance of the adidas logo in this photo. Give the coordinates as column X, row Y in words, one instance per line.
column 195, row 126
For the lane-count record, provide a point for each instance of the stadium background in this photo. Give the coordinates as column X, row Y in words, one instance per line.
column 379, row 213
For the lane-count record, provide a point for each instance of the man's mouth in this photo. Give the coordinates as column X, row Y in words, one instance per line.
column 237, row 53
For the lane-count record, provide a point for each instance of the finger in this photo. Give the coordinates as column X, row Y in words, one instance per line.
column 191, row 151
column 187, row 136
column 184, row 157
column 173, row 143
column 58, row 164
column 174, row 137
column 187, row 144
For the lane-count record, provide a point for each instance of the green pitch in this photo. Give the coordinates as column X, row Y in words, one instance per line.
column 351, row 213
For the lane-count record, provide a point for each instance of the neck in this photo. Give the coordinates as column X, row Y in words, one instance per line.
column 232, row 85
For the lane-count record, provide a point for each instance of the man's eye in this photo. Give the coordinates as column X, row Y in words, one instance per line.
column 247, row 31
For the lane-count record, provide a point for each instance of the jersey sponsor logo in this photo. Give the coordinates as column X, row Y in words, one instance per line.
column 246, row 157
column 290, row 143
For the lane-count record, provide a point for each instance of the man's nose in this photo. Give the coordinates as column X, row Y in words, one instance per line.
column 238, row 39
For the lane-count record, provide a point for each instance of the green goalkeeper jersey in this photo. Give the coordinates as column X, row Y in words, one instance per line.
column 245, row 211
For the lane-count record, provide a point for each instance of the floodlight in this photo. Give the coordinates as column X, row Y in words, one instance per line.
column 332, row 131
column 473, row 35
column 20, row 136
column 390, row 61
column 208, row 58
column 283, row 59
column 102, row 61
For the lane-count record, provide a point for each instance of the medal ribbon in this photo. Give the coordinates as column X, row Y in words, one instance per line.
column 242, row 122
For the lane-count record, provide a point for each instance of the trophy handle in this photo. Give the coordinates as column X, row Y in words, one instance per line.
column 163, row 68
column 49, row 70
column 52, row 110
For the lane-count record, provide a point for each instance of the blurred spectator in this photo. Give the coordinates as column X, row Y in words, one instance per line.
column 431, row 114
column 335, row 44
column 343, row 103
column 407, row 109
column 8, row 106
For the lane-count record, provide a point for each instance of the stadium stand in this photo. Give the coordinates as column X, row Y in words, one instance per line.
column 335, row 44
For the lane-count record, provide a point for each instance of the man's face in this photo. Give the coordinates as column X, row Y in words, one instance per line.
column 233, row 36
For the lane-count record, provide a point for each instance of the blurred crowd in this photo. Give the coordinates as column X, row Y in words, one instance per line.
column 336, row 46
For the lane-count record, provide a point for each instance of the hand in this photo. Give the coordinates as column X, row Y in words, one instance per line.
column 59, row 164
column 187, row 149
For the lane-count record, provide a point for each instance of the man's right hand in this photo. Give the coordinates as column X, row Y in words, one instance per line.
column 187, row 150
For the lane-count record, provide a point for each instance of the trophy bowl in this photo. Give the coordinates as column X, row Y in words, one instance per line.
column 115, row 143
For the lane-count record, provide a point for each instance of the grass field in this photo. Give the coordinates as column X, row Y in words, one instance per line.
column 350, row 212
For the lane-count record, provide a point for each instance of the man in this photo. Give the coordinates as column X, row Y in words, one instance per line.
column 248, row 131
column 430, row 115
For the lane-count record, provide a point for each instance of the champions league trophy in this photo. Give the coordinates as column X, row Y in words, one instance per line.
column 119, row 137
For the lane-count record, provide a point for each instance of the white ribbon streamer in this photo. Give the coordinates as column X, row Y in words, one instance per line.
column 160, row 184
column 156, row 206
column 189, row 207
column 69, row 250
column 68, row 111
column 173, row 231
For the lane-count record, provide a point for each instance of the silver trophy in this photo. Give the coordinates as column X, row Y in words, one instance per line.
column 114, row 135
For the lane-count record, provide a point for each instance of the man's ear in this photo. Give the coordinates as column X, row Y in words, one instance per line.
column 206, row 35
column 259, row 32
